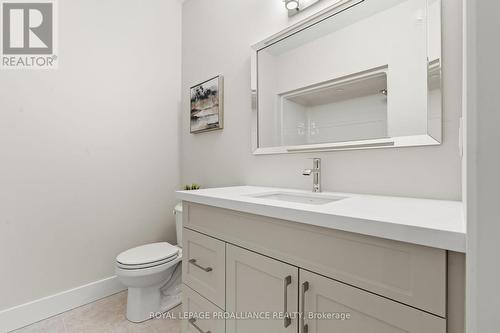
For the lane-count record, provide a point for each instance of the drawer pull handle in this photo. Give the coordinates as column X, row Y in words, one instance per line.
column 286, row 282
column 206, row 269
column 305, row 327
column 192, row 321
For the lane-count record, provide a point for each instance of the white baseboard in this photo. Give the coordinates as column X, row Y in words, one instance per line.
column 43, row 308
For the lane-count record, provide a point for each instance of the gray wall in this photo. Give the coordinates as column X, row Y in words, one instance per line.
column 88, row 152
column 217, row 35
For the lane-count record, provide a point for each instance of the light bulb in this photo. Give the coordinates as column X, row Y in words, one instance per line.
column 292, row 4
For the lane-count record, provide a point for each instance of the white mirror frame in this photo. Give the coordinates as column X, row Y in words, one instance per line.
column 393, row 142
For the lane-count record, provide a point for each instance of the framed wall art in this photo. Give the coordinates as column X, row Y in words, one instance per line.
column 206, row 107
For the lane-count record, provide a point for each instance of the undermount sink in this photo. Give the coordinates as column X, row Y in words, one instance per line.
column 312, row 199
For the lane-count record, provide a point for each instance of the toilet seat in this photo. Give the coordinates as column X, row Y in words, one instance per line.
column 149, row 265
column 147, row 256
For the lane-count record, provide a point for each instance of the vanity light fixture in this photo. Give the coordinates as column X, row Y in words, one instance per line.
column 296, row 6
column 292, row 4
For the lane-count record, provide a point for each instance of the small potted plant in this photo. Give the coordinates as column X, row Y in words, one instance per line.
column 191, row 187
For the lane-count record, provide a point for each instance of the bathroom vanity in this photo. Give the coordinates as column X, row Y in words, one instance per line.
column 351, row 263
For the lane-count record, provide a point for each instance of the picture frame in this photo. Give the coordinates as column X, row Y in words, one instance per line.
column 206, row 107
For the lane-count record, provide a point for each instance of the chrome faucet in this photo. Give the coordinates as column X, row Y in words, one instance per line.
column 316, row 172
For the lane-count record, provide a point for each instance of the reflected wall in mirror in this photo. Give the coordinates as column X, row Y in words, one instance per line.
column 360, row 74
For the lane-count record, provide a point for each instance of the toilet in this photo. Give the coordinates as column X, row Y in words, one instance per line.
column 152, row 274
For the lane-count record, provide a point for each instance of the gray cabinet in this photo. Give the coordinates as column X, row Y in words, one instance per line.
column 407, row 273
column 257, row 269
column 260, row 285
column 331, row 306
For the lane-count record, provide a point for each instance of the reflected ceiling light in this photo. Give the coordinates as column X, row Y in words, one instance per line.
column 292, row 4
column 296, row 6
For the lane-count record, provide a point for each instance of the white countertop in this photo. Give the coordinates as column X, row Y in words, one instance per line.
column 434, row 223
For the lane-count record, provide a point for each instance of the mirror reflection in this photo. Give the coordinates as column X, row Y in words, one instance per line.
column 370, row 72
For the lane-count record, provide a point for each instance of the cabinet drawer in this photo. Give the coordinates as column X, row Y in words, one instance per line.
column 358, row 310
column 411, row 274
column 193, row 303
column 203, row 266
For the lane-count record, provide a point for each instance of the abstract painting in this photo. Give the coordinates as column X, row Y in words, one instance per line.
column 207, row 105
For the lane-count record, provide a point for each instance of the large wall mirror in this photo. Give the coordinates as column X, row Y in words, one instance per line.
column 358, row 75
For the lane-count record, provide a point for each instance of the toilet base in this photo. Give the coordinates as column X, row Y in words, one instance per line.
column 172, row 293
column 145, row 303
column 142, row 302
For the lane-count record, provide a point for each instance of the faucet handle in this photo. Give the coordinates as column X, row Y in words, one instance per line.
column 316, row 162
column 316, row 172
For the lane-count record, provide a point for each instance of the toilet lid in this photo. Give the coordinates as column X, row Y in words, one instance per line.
column 147, row 254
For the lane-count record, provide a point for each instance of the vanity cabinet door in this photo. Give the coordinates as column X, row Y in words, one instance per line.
column 255, row 283
column 331, row 306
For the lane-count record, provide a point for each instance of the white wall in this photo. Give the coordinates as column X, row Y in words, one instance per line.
column 483, row 165
column 224, row 157
column 88, row 152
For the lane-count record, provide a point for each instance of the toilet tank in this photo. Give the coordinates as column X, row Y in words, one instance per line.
column 178, row 223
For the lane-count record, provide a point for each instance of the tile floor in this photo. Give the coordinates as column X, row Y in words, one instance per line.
column 104, row 316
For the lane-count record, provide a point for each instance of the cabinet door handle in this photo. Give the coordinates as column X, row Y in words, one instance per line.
column 305, row 327
column 193, row 262
column 192, row 321
column 286, row 282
